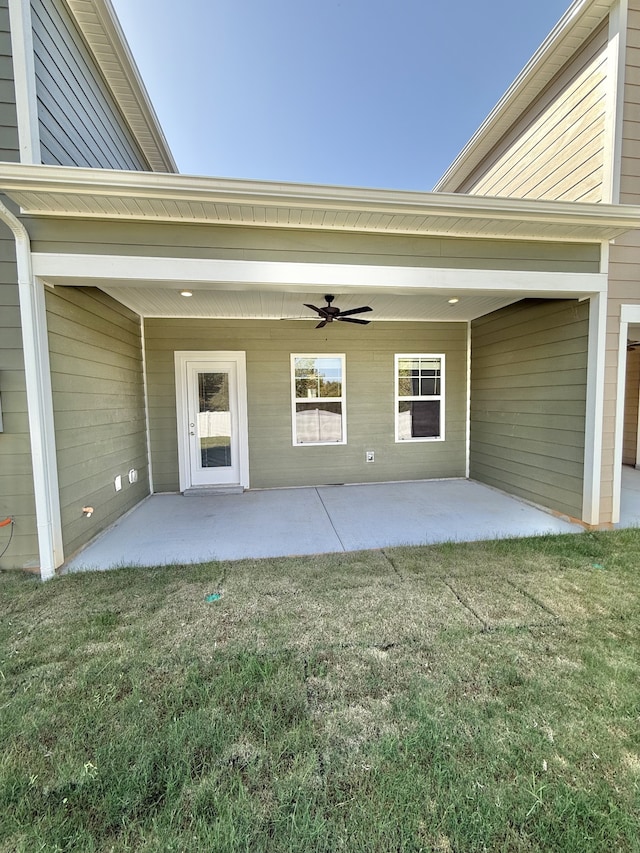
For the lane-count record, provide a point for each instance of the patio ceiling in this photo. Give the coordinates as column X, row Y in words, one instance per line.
column 151, row 286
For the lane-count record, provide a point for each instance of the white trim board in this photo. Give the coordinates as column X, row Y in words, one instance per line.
column 628, row 314
column 25, row 81
column 594, row 410
column 118, row 270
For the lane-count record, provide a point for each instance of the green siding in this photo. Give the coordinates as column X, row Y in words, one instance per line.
column 96, row 375
column 274, row 244
column 369, row 392
column 528, row 401
column 79, row 121
column 16, row 477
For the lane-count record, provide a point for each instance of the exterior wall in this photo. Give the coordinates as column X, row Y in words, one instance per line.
column 369, row 399
column 528, row 397
column 79, row 121
column 16, row 478
column 201, row 241
column 631, row 402
column 556, row 149
column 624, row 255
column 96, row 373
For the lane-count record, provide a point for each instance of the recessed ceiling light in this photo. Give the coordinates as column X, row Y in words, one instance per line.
column 453, row 300
column 186, row 293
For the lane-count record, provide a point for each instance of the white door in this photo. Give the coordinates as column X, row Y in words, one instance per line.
column 212, row 417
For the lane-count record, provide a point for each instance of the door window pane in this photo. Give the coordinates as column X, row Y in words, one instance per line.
column 214, row 420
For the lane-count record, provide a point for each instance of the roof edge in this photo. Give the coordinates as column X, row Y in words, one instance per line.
column 103, row 33
column 20, row 178
column 527, row 85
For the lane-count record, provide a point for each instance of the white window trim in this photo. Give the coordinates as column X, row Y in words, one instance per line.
column 440, row 396
column 342, row 399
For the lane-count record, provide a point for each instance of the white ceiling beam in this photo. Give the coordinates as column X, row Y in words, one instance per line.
column 118, row 270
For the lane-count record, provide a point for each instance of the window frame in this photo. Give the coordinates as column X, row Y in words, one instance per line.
column 295, row 400
column 419, row 397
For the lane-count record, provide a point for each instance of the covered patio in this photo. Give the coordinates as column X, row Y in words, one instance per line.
column 166, row 529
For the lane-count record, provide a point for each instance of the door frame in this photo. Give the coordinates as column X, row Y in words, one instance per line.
column 182, row 358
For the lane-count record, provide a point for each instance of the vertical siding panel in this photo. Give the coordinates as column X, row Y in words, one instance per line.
column 96, row 374
column 528, row 395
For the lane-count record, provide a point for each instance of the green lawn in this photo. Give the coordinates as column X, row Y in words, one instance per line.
column 481, row 697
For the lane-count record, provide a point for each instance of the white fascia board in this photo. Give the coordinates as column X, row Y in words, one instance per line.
column 25, row 183
column 72, row 269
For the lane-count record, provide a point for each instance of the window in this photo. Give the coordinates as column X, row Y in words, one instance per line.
column 318, row 399
column 419, row 397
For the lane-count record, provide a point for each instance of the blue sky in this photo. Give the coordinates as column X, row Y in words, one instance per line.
column 370, row 93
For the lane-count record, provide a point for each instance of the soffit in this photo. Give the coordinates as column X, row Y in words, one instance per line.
column 573, row 29
column 101, row 29
column 277, row 303
column 59, row 191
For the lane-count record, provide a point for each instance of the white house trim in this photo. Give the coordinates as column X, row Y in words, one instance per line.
column 24, row 76
column 594, row 409
column 39, row 402
column 628, row 314
column 616, row 63
column 70, row 269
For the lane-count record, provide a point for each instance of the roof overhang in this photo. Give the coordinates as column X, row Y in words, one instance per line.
column 576, row 25
column 99, row 25
column 58, row 191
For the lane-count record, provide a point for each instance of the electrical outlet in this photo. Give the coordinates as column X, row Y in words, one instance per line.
column 369, row 456
column 118, row 483
column 133, row 475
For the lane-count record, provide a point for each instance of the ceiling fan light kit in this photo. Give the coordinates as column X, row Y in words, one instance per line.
column 328, row 313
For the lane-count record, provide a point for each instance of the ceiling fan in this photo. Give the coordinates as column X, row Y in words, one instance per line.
column 328, row 313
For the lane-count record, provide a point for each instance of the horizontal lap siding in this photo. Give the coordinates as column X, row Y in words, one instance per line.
column 528, row 393
column 80, row 123
column 624, row 255
column 16, row 477
column 556, row 149
column 369, row 394
column 96, row 374
column 273, row 244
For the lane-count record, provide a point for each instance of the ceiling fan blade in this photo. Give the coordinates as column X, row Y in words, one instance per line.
column 355, row 311
column 353, row 320
column 321, row 311
column 320, row 325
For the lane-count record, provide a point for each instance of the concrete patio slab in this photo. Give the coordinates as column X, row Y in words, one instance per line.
column 168, row 529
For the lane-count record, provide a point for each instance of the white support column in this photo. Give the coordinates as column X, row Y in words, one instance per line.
column 468, row 424
column 594, row 409
column 39, row 402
